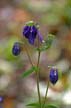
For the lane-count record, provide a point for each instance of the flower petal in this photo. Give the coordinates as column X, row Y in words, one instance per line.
column 33, row 31
column 31, row 39
column 40, row 37
column 26, row 31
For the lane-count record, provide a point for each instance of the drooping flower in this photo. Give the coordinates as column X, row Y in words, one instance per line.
column 16, row 49
column 31, row 31
column 53, row 76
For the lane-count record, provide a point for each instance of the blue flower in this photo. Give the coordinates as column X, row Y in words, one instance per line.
column 16, row 49
column 53, row 75
column 30, row 32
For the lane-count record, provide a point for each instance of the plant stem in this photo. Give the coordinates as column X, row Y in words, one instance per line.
column 37, row 75
column 23, row 43
column 28, row 55
column 46, row 94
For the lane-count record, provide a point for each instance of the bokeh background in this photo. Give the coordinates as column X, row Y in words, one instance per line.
column 53, row 16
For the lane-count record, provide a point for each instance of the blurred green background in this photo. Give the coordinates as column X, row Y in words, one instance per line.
column 53, row 16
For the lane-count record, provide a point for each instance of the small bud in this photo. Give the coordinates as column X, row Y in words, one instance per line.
column 53, row 76
column 16, row 49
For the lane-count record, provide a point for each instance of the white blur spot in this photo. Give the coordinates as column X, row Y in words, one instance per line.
column 43, row 41
column 63, row 65
column 4, row 81
column 51, row 94
column 67, row 98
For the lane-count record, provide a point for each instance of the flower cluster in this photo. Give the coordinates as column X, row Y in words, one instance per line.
column 30, row 32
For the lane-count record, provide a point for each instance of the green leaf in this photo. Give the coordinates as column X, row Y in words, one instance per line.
column 47, row 105
column 28, row 72
column 36, row 105
column 47, row 44
column 51, row 106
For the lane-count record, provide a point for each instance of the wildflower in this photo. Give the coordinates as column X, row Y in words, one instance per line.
column 16, row 49
column 53, row 75
column 31, row 32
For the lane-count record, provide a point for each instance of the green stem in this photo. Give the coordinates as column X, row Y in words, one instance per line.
column 28, row 55
column 25, row 47
column 37, row 76
column 46, row 94
column 37, row 73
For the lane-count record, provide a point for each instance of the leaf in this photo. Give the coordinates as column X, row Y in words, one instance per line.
column 37, row 105
column 47, row 44
column 51, row 106
column 28, row 72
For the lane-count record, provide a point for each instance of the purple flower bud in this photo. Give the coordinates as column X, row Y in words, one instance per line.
column 30, row 32
column 16, row 49
column 53, row 75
